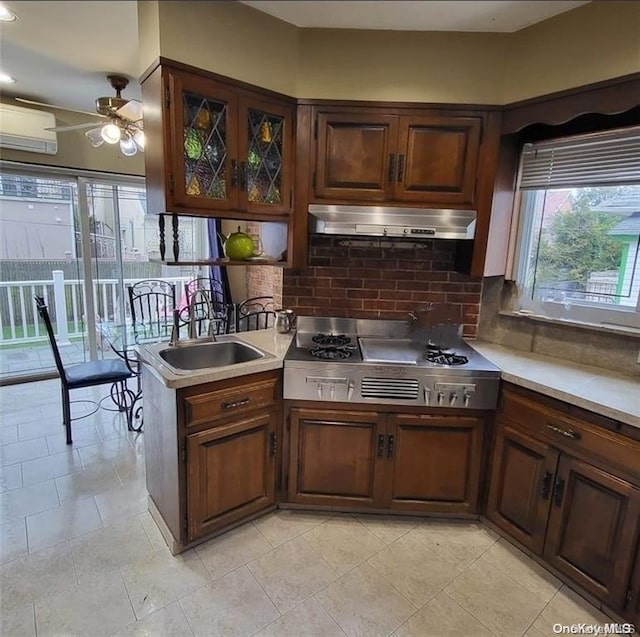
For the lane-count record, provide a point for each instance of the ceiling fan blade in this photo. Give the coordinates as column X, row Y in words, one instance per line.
column 59, row 108
column 132, row 110
column 62, row 129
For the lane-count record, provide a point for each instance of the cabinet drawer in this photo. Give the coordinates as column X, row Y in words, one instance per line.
column 571, row 434
column 228, row 402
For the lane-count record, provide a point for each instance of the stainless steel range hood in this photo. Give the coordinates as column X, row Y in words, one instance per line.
column 383, row 221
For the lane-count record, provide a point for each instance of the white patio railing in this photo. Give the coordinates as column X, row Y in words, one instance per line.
column 19, row 321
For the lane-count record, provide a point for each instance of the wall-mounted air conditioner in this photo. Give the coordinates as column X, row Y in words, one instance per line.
column 23, row 129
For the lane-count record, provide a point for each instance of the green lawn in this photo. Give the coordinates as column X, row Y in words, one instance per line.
column 31, row 334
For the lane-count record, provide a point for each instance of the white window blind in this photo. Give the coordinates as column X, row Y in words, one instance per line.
column 611, row 158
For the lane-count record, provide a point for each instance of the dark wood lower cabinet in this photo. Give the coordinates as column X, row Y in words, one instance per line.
column 435, row 463
column 365, row 459
column 568, row 488
column 632, row 606
column 593, row 528
column 230, row 473
column 332, row 458
column 522, row 477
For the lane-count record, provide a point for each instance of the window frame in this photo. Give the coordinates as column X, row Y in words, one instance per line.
column 576, row 311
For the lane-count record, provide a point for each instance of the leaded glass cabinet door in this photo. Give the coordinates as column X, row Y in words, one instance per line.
column 204, row 130
column 265, row 156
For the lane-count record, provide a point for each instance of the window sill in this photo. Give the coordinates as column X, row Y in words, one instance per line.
column 608, row 328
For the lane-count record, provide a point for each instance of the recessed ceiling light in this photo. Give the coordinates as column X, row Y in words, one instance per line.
column 6, row 79
column 6, row 15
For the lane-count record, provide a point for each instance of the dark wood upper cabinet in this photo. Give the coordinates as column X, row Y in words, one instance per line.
column 435, row 463
column 265, row 156
column 437, row 159
column 593, row 529
column 522, row 479
column 214, row 146
column 204, row 143
column 356, row 156
column 392, row 155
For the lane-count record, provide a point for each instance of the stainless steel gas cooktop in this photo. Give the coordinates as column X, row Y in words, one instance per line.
column 383, row 362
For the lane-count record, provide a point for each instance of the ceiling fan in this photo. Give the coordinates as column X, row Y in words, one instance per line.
column 120, row 119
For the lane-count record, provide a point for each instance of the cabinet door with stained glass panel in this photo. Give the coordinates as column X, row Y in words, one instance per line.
column 265, row 156
column 204, row 129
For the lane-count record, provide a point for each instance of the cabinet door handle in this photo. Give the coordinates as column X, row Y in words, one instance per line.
column 567, row 433
column 400, row 167
column 243, row 175
column 273, row 447
column 546, row 484
column 234, row 173
column 558, row 492
column 392, row 166
column 236, row 403
column 390, row 446
column 380, row 445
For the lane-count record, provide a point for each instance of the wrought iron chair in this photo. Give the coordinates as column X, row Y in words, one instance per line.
column 88, row 374
column 152, row 303
column 255, row 314
column 212, row 291
column 221, row 318
column 212, row 286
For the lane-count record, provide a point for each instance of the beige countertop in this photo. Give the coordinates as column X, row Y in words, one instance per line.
column 272, row 344
column 591, row 388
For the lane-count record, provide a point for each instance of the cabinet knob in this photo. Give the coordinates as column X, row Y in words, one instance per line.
column 558, row 492
column 546, row 484
column 400, row 167
column 234, row 173
column 392, row 166
column 380, row 445
column 390, row 445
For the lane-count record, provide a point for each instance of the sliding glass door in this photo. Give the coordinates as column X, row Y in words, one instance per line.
column 40, row 253
column 79, row 240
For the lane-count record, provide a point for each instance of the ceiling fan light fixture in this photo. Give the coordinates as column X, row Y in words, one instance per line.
column 111, row 133
column 128, row 146
column 139, row 139
column 6, row 15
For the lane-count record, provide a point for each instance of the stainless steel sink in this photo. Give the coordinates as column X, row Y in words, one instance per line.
column 203, row 355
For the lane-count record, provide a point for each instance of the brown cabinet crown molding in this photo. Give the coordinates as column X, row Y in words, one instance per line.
column 608, row 97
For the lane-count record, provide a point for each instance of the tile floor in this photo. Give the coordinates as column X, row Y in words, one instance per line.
column 81, row 556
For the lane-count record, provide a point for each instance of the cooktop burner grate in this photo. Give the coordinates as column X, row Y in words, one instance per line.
column 331, row 340
column 439, row 357
column 330, row 353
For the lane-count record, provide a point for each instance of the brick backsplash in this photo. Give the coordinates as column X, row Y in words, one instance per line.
column 374, row 282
